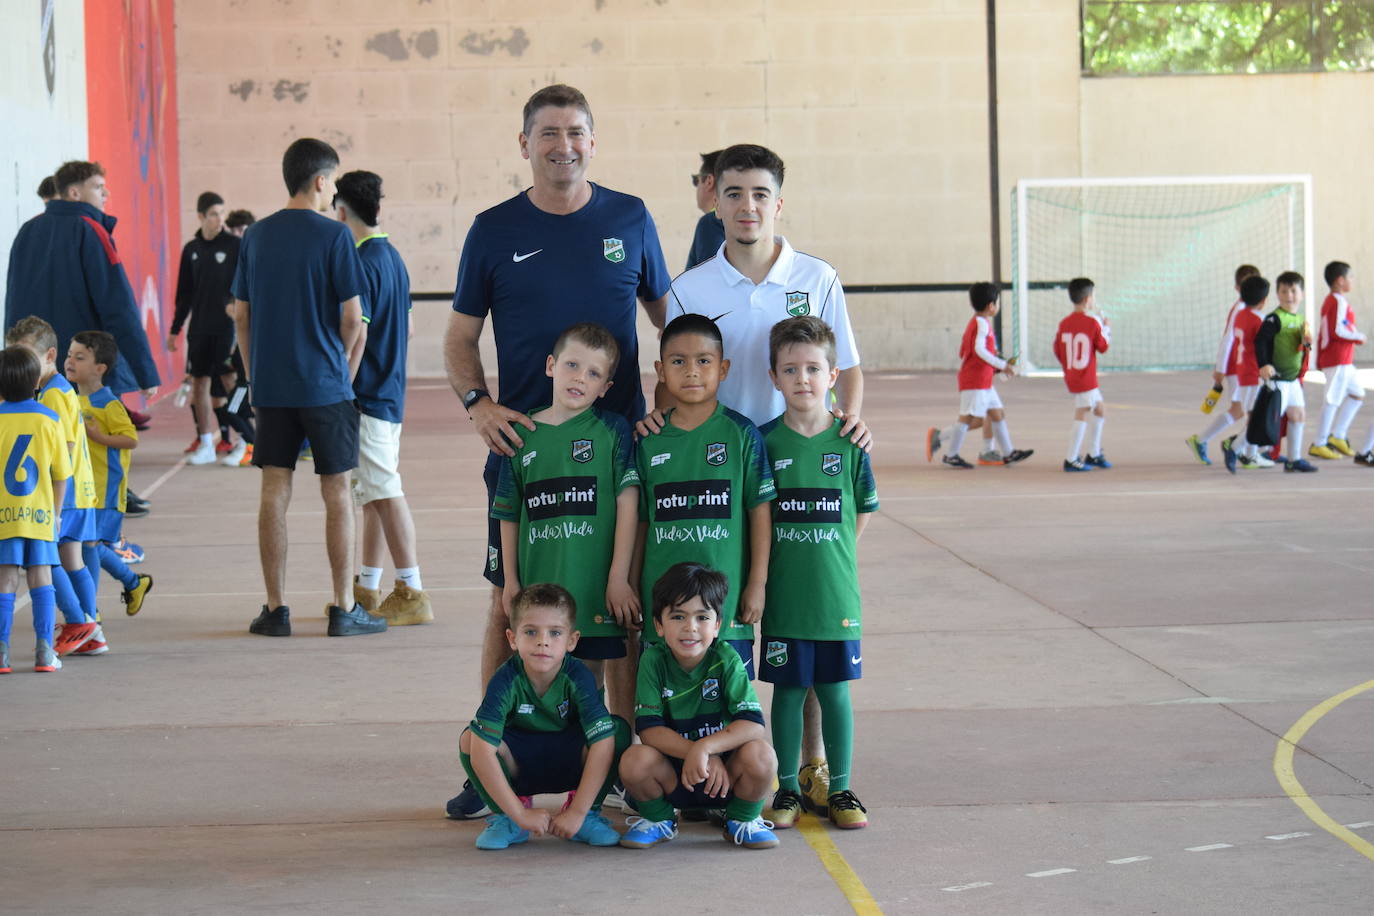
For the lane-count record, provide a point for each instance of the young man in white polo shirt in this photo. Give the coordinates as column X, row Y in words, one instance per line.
column 757, row 280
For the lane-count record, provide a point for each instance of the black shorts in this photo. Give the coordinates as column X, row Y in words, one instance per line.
column 548, row 762
column 207, row 355
column 331, row 428
column 696, row 796
column 599, row 648
column 492, row 567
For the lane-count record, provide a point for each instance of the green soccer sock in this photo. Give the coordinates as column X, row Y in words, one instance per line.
column 655, row 809
column 477, row 783
column 737, row 809
column 787, row 733
column 622, row 741
column 837, row 731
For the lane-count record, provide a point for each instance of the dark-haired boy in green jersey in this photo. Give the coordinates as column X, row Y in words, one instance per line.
column 811, row 619
column 542, row 728
column 705, row 483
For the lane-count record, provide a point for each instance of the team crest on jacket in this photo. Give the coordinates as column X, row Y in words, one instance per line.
column 613, row 249
column 563, row 709
column 831, row 463
column 715, row 454
column 710, row 689
column 798, row 304
column 219, row 257
column 582, row 450
column 775, row 653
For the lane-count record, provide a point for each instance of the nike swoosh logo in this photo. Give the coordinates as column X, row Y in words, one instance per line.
column 517, row 258
column 855, row 661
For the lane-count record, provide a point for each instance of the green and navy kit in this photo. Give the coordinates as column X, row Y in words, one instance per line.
column 561, row 487
column 823, row 482
column 696, row 490
column 694, row 703
column 572, row 701
column 1279, row 343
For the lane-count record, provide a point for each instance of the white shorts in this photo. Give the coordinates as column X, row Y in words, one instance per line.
column 1290, row 394
column 1342, row 383
column 1245, row 396
column 1087, row 398
column 976, row 402
column 1228, row 389
column 379, row 459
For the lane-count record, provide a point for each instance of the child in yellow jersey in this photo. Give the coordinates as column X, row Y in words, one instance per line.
column 72, row 581
column 110, row 437
column 36, row 465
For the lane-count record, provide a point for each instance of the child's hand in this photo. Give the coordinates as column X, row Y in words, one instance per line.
column 751, row 603
column 1266, row 372
column 566, row 823
column 696, row 766
column 718, row 779
column 623, row 603
column 508, row 594
column 91, row 426
column 535, row 820
column 650, row 425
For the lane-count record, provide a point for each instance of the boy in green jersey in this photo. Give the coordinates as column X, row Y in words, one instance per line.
column 1281, row 348
column 543, row 728
column 811, row 618
column 568, row 502
column 698, row 718
column 705, row 483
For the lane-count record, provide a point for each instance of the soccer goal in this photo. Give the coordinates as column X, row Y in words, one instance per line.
column 1162, row 252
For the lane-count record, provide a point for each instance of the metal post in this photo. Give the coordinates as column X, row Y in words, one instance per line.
column 994, row 182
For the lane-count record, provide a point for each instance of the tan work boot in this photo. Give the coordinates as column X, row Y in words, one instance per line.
column 369, row 598
column 406, row 606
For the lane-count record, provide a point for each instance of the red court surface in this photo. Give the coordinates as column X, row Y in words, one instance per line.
column 1075, row 687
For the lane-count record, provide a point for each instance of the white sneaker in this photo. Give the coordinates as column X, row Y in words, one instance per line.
column 235, row 455
column 204, row 454
column 1259, row 461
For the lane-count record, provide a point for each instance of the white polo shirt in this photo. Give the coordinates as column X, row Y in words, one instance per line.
column 798, row 284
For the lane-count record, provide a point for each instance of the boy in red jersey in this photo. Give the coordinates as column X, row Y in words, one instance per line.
column 1081, row 336
column 978, row 400
column 1253, row 293
column 1224, row 375
column 1336, row 342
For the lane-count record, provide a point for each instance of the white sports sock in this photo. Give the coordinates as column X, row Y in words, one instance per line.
column 1294, row 440
column 370, row 577
column 1349, row 408
column 207, row 439
column 1216, row 427
column 987, row 437
column 411, row 577
column 1076, row 440
column 1096, row 421
column 1324, row 428
column 956, row 438
column 1003, row 434
column 1368, row 441
column 1242, row 446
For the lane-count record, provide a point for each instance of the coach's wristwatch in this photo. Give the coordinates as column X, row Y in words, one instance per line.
column 473, row 396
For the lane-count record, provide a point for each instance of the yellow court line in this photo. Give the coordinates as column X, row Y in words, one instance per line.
column 849, row 883
column 1283, row 770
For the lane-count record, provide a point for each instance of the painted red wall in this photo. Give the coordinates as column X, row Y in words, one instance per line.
column 132, row 115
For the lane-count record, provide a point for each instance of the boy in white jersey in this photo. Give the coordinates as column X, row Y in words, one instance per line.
column 1224, row 374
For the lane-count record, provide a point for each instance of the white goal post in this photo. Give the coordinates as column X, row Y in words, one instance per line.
column 1162, row 253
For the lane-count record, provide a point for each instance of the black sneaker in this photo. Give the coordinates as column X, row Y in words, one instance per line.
column 1301, row 465
column 1365, row 458
column 354, row 622
column 1019, row 454
column 1076, row 466
column 275, row 622
column 467, row 805
column 955, row 461
column 135, row 507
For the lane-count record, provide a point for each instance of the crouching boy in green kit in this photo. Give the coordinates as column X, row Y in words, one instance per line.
column 543, row 728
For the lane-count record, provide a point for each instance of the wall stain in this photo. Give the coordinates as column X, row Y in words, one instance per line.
column 338, row 139
column 243, row 89
column 426, row 43
column 596, row 45
column 333, row 45
column 484, row 46
column 388, row 44
column 517, row 181
column 296, row 91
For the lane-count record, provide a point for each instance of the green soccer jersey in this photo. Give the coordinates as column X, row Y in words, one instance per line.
column 561, row 487
column 694, row 703
column 697, row 488
column 823, row 482
column 572, row 701
column 1288, row 352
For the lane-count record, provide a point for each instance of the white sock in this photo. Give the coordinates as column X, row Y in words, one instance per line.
column 1368, row 441
column 1242, row 446
column 1076, row 440
column 1348, row 410
column 1096, row 421
column 1324, row 429
column 1294, row 440
column 370, row 577
column 1003, row 434
column 411, row 577
column 207, row 440
column 1216, row 427
column 956, row 438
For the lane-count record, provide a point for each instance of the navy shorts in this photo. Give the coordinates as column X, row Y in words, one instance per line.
column 492, row 567
column 595, row 648
column 807, row 662
column 696, row 796
column 331, row 428
column 545, row 761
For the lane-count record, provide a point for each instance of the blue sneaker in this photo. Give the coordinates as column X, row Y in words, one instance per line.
column 1198, row 448
column 644, row 833
column 755, row 834
column 1097, row 461
column 501, row 832
column 467, row 805
column 596, row 831
column 1228, row 454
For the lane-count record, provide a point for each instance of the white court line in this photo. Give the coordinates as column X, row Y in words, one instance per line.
column 967, row 887
column 1208, row 848
column 1128, row 860
column 1287, row 836
column 166, row 476
column 1144, row 494
column 1051, row 873
column 1359, row 825
column 448, row 588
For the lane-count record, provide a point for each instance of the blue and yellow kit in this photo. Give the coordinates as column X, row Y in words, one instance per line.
column 109, row 466
column 35, row 454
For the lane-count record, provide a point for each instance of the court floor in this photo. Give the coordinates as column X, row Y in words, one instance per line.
column 1075, row 689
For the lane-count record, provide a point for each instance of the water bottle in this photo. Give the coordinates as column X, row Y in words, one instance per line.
column 183, row 394
column 1210, row 401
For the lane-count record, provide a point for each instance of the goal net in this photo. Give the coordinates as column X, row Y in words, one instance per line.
column 1162, row 253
